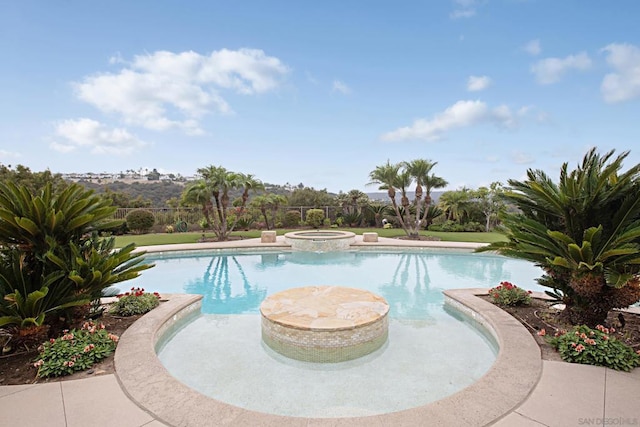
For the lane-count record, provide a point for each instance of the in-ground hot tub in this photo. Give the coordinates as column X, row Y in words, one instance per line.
column 324, row 323
column 320, row 240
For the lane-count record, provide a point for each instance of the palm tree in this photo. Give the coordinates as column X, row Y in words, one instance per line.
column 220, row 182
column 583, row 231
column 199, row 194
column 271, row 202
column 249, row 182
column 419, row 169
column 358, row 200
column 387, row 176
column 261, row 202
column 378, row 210
column 432, row 182
column 400, row 176
column 454, row 203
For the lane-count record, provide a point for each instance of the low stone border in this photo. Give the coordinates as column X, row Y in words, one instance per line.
column 508, row 382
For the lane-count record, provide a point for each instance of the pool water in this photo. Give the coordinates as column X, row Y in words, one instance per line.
column 432, row 350
column 411, row 281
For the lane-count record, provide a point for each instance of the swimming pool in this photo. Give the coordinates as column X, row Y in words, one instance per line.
column 431, row 353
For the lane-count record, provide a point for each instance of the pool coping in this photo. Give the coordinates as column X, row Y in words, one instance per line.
column 507, row 384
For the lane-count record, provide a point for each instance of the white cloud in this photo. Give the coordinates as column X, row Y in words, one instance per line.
column 551, row 70
column 341, row 87
column 165, row 90
column 459, row 115
column 478, row 83
column 88, row 133
column 522, row 158
column 4, row 154
column 463, row 9
column 624, row 83
column 533, row 47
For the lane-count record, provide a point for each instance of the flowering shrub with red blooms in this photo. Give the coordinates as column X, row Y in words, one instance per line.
column 594, row 347
column 137, row 301
column 509, row 294
column 76, row 350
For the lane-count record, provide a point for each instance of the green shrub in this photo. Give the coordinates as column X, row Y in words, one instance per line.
column 473, row 226
column 135, row 302
column 508, row 294
column 594, row 347
column 315, row 218
column 291, row 219
column 326, row 222
column 140, row 221
column 76, row 350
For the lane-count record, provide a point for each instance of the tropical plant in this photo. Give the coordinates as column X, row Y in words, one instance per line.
column 269, row 203
column 456, row 203
column 419, row 169
column 583, row 231
column 51, row 258
column 352, row 219
column 399, row 177
column 378, row 210
column 212, row 192
column 432, row 213
column 199, row 194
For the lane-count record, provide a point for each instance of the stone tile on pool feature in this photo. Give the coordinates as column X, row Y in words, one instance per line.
column 324, row 323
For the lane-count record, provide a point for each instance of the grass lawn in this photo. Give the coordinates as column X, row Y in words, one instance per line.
column 173, row 238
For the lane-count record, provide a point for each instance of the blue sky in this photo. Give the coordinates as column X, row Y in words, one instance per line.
column 318, row 92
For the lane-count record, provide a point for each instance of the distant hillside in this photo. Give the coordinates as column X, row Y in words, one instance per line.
column 161, row 191
column 383, row 197
column 156, row 191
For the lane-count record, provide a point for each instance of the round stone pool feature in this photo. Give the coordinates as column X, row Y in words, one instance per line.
column 324, row 323
column 320, row 240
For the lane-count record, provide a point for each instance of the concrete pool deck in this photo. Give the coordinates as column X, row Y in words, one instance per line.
column 520, row 389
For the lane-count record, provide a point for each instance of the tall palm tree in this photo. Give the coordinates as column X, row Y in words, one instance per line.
column 431, row 182
column 269, row 202
column 220, row 182
column 400, row 176
column 249, row 182
column 387, row 177
column 358, row 200
column 261, row 202
column 583, row 231
column 200, row 194
column 419, row 169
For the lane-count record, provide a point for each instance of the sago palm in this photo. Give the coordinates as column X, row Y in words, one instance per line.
column 583, row 231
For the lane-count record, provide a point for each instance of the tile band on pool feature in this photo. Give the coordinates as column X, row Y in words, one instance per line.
column 324, row 323
column 320, row 241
